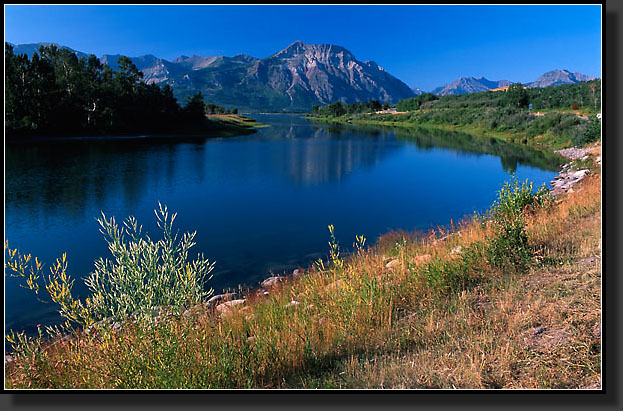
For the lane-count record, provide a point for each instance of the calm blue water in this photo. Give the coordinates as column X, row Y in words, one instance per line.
column 260, row 203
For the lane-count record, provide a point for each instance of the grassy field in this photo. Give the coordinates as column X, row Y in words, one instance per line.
column 236, row 119
column 510, row 299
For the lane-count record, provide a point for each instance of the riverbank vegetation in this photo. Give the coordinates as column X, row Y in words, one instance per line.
column 508, row 299
column 57, row 93
column 561, row 116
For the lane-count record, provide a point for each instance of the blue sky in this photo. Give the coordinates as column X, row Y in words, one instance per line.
column 424, row 46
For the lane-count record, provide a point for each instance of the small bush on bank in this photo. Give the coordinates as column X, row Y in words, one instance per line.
column 144, row 276
column 510, row 248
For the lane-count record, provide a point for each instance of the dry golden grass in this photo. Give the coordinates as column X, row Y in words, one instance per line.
column 382, row 320
column 540, row 330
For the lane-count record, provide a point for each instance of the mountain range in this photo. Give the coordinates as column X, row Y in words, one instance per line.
column 466, row 85
column 294, row 78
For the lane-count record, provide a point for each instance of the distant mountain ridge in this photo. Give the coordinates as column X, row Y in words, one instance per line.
column 466, row 85
column 293, row 79
column 558, row 77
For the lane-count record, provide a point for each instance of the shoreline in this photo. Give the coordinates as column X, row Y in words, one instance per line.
column 474, row 131
column 563, row 183
column 131, row 136
column 231, row 126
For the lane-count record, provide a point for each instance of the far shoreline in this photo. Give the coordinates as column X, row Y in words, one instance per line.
column 229, row 130
column 127, row 136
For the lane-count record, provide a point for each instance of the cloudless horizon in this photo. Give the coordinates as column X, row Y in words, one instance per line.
column 424, row 46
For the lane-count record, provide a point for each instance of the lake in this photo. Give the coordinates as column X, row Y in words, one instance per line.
column 260, row 203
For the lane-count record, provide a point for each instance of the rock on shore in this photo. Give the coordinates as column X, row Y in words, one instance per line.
column 574, row 152
column 566, row 179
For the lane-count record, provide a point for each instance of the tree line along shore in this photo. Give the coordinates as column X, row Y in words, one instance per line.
column 55, row 93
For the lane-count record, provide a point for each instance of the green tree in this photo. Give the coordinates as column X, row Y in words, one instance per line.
column 375, row 105
column 17, row 89
column 516, row 96
column 194, row 111
column 336, row 109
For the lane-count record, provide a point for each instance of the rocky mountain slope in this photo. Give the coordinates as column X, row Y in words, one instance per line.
column 558, row 77
column 295, row 78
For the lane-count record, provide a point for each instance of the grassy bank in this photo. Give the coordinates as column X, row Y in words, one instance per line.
column 540, row 136
column 507, row 300
column 401, row 121
column 236, row 120
column 560, row 117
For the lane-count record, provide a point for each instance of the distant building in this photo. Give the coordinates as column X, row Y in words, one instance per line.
column 505, row 88
column 500, row 89
column 388, row 111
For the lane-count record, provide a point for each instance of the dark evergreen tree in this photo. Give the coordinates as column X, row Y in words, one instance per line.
column 194, row 111
column 57, row 92
column 516, row 96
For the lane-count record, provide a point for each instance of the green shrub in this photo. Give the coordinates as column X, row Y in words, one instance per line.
column 593, row 131
column 514, row 197
column 143, row 275
column 146, row 274
column 509, row 247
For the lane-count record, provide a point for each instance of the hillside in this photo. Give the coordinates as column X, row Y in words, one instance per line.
column 561, row 115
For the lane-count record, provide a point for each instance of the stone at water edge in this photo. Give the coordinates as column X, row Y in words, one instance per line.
column 218, row 298
column 261, row 293
column 271, row 281
column 225, row 308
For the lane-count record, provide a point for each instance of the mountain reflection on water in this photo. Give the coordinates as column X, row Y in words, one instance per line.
column 260, row 203
column 71, row 177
